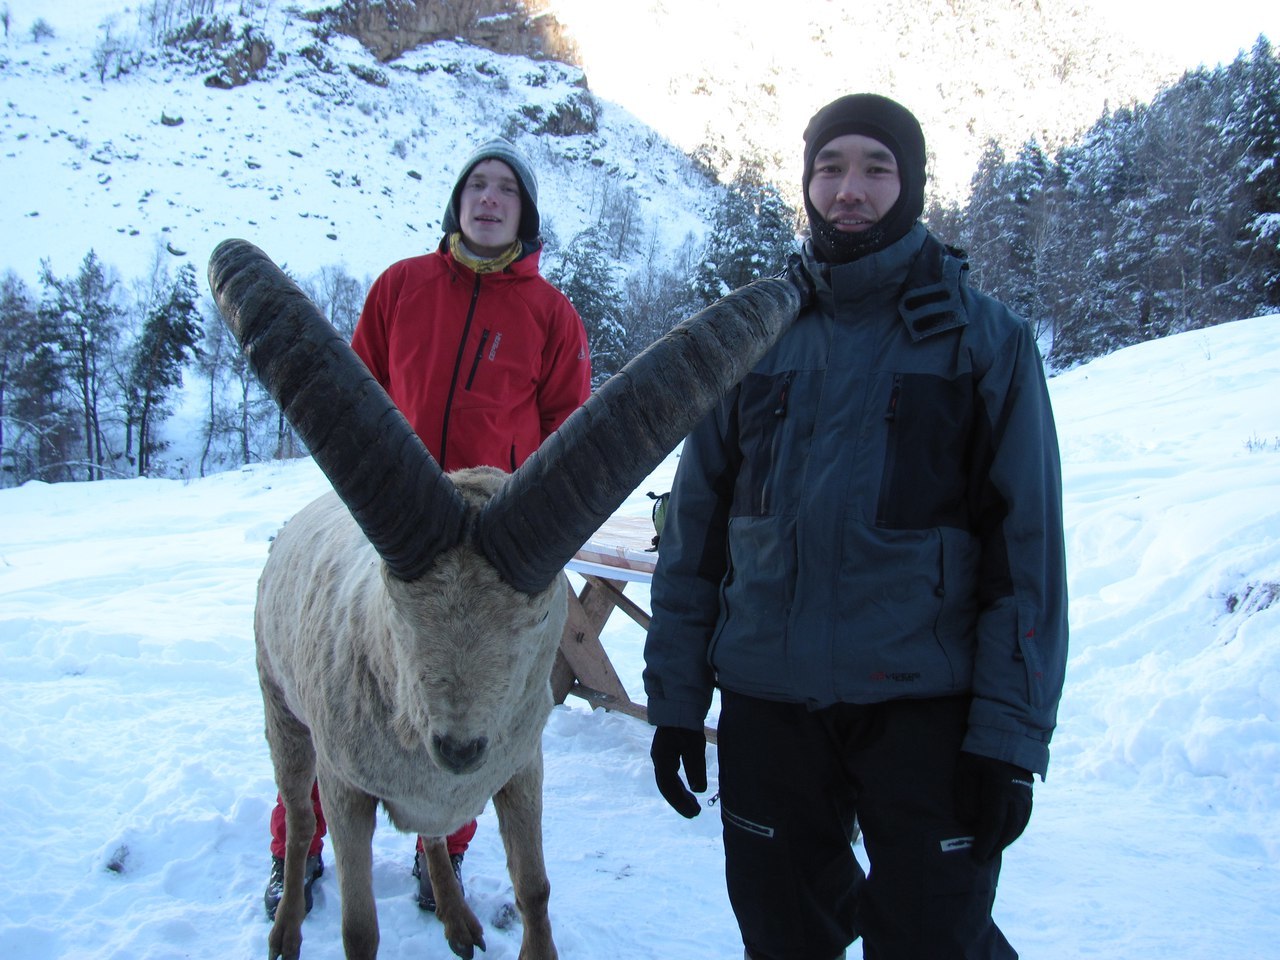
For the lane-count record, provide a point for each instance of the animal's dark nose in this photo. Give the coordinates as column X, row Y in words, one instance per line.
column 460, row 755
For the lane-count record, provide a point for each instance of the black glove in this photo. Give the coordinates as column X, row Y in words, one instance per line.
column 799, row 278
column 993, row 797
column 673, row 746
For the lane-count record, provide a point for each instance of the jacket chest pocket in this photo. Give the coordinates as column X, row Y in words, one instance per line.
column 494, row 372
column 775, row 422
column 931, row 452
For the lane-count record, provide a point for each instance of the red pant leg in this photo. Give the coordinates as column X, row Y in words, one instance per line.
column 279, row 831
column 460, row 839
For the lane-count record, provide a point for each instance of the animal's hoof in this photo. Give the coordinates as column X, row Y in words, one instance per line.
column 466, row 950
column 462, row 930
column 284, row 947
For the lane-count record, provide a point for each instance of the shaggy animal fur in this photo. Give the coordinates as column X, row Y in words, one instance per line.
column 428, row 696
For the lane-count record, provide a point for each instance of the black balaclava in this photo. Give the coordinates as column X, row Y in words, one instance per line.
column 893, row 125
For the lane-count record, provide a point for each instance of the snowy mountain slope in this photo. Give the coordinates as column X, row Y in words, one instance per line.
column 330, row 159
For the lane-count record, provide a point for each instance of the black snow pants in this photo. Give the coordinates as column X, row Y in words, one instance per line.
column 794, row 781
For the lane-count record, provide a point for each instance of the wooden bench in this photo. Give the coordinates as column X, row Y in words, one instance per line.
column 620, row 552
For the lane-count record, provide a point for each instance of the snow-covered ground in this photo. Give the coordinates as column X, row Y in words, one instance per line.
column 136, row 784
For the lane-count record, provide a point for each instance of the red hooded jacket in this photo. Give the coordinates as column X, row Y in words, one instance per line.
column 483, row 366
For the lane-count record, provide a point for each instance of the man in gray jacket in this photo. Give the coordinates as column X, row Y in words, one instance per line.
column 863, row 552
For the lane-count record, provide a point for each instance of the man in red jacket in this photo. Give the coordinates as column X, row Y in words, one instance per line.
column 484, row 358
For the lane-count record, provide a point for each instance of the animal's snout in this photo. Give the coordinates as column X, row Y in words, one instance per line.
column 460, row 755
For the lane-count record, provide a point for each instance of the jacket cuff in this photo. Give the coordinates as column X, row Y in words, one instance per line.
column 672, row 713
column 1020, row 748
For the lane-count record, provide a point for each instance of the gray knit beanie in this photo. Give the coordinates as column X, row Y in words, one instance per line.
column 499, row 149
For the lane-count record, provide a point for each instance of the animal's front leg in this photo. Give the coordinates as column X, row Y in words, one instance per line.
column 285, row 939
column 351, row 817
column 294, row 759
column 519, row 808
column 461, row 927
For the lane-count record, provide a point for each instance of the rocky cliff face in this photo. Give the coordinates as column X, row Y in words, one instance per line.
column 388, row 28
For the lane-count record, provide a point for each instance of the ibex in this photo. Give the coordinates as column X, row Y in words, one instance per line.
column 406, row 624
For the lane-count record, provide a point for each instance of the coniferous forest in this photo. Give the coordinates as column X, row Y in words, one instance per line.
column 1163, row 217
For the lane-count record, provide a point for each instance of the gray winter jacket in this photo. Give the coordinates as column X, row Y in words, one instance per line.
column 874, row 512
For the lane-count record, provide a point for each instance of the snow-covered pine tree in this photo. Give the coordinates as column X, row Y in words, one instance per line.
column 586, row 275
column 170, row 336
column 1260, row 104
column 85, row 311
column 37, row 420
column 752, row 232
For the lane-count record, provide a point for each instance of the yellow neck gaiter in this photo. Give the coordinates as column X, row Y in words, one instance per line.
column 482, row 264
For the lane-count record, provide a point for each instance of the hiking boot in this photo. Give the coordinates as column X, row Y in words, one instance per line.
column 275, row 886
column 426, row 896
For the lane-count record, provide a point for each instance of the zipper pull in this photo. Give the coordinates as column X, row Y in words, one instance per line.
column 781, row 409
column 892, row 412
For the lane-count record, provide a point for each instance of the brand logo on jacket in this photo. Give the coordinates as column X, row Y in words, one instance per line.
column 896, row 677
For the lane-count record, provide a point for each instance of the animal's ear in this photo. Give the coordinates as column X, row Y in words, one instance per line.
column 406, row 506
column 583, row 472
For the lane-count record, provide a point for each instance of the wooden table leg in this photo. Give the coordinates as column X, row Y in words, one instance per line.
column 582, row 665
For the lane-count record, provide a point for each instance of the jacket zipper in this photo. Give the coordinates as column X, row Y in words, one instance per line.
column 891, row 447
column 457, row 368
column 475, row 363
column 779, row 412
column 891, row 413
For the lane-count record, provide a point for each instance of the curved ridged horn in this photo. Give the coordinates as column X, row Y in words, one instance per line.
column 580, row 475
column 409, row 510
